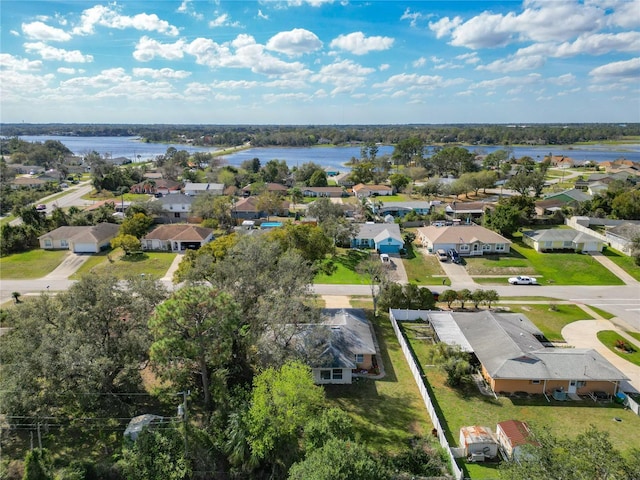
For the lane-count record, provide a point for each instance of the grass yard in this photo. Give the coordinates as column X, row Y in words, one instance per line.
column 421, row 268
column 345, row 263
column 550, row 268
column 387, row 413
column 602, row 313
column 116, row 262
column 32, row 264
column 623, row 261
column 609, row 338
column 550, row 322
column 465, row 406
column 95, row 260
column 7, row 219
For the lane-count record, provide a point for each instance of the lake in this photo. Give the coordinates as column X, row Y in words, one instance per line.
column 333, row 157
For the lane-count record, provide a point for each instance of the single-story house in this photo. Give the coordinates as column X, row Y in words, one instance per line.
column 546, row 207
column 400, row 209
column 513, row 358
column 332, row 192
column 198, row 188
column 254, row 189
column 624, row 234
column 561, row 239
column 248, row 208
column 342, row 344
column 86, row 239
column 176, row 207
column 569, row 196
column 27, row 181
column 156, row 185
column 511, row 435
column 176, row 238
column 467, row 210
column 465, row 239
column 383, row 237
column 361, row 190
column 619, row 163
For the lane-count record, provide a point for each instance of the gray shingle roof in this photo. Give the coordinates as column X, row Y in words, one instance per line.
column 373, row 230
column 560, row 235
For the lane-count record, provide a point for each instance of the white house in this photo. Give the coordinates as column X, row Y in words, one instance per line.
column 561, row 239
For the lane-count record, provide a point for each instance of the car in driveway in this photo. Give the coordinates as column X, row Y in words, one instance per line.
column 442, row 255
column 41, row 206
column 454, row 255
column 522, row 280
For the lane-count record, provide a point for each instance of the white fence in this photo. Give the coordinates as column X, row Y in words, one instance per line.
column 582, row 225
column 417, row 375
column 633, row 405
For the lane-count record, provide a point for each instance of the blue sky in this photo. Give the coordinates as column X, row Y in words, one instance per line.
column 320, row 61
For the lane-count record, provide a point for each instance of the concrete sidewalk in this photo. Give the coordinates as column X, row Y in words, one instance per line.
column 615, row 269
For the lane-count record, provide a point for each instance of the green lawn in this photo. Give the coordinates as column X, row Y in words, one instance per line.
column 551, row 268
column 7, row 219
column 602, row 313
column 345, row 263
column 623, row 261
column 387, row 413
column 609, row 339
column 155, row 264
column 422, row 268
column 32, row 264
column 466, row 406
column 93, row 261
column 550, row 321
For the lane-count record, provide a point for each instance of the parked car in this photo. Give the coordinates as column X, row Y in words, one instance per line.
column 522, row 280
column 442, row 255
column 384, row 258
column 41, row 206
column 454, row 255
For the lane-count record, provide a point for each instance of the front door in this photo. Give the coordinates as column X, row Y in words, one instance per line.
column 573, row 386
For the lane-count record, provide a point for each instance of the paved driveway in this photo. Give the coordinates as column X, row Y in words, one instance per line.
column 583, row 334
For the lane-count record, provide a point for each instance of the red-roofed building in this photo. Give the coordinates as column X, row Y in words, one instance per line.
column 512, row 434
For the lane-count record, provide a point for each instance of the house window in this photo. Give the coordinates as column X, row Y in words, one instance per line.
column 568, row 244
column 500, row 247
column 337, row 374
column 176, row 214
column 535, row 382
column 464, row 247
column 64, row 243
column 486, row 247
column 359, row 358
column 47, row 243
column 325, row 374
column 581, row 384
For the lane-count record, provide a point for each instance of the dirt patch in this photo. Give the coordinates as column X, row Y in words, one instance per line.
column 337, row 301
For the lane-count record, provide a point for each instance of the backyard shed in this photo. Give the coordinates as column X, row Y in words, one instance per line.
column 511, row 435
column 478, row 442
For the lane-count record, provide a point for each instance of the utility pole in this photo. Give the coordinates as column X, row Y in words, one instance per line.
column 183, row 412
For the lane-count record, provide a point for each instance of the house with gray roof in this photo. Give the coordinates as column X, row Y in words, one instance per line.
column 383, row 237
column 340, row 346
column 176, row 208
column 198, row 188
column 546, row 240
column 467, row 240
column 624, row 234
column 513, row 357
column 84, row 239
column 400, row 209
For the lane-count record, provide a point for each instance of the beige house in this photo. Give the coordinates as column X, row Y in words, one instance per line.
column 361, row 190
column 467, row 240
column 176, row 238
column 88, row 239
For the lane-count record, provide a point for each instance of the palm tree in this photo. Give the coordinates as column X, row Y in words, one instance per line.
column 16, row 297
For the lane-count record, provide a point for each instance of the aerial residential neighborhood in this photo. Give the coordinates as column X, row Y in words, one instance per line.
column 537, row 312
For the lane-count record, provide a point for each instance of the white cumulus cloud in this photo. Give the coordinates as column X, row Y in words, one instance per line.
column 48, row 52
column 110, row 18
column 160, row 73
column 627, row 70
column 44, row 32
column 358, row 44
column 147, row 49
column 295, row 42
